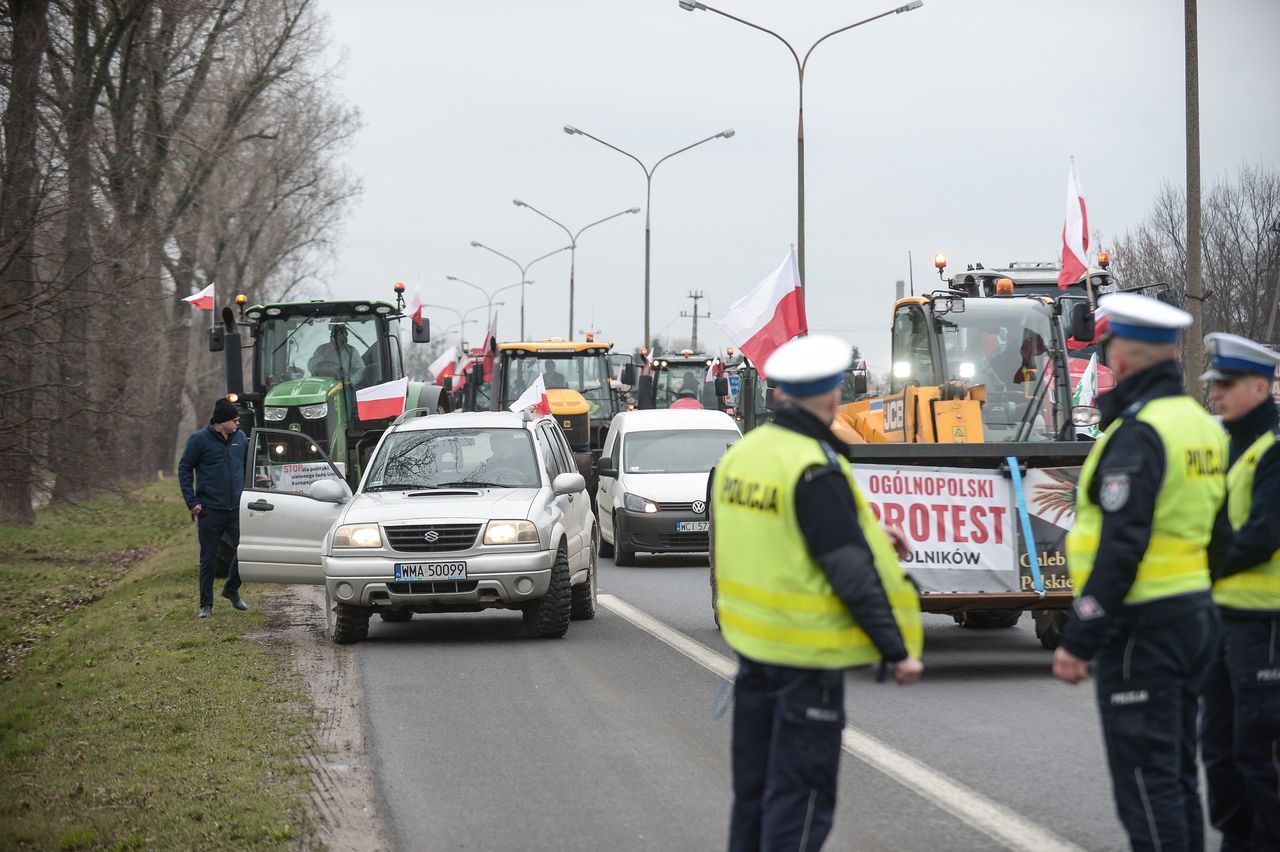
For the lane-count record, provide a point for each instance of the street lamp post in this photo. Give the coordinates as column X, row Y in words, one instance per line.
column 690, row 6
column 462, row 319
column 648, row 186
column 487, row 295
column 573, row 243
column 524, row 272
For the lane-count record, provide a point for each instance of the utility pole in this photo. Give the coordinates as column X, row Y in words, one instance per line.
column 1193, row 346
column 696, row 295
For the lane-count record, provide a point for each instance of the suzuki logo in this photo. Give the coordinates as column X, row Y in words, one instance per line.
column 432, row 536
column 699, row 507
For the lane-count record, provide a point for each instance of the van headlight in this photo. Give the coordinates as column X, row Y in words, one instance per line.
column 274, row 414
column 357, row 535
column 636, row 503
column 314, row 412
column 510, row 532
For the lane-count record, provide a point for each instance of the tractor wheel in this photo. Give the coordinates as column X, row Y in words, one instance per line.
column 1049, row 624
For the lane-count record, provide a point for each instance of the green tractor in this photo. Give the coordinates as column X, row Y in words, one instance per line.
column 309, row 360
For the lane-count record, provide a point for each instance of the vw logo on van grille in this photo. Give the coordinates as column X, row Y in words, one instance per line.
column 699, row 507
column 431, row 535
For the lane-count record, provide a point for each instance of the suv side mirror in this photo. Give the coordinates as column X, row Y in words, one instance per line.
column 607, row 467
column 329, row 491
column 421, row 333
column 1082, row 325
column 215, row 339
column 628, row 377
column 568, row 483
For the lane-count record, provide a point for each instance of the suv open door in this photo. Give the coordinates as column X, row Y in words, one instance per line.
column 293, row 495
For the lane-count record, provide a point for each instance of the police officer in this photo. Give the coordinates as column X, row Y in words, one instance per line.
column 809, row 585
column 1240, row 725
column 1138, row 557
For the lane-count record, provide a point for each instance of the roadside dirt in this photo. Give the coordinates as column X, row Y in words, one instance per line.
column 343, row 805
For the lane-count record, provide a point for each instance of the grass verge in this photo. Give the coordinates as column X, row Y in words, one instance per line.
column 125, row 722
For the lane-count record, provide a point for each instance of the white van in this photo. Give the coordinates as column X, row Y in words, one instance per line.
column 653, row 481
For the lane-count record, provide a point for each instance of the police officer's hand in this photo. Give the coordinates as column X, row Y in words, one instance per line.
column 898, row 539
column 195, row 511
column 907, row 671
column 1069, row 668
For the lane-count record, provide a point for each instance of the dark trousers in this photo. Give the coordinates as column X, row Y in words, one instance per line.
column 1149, row 678
column 1240, row 735
column 211, row 524
column 787, row 724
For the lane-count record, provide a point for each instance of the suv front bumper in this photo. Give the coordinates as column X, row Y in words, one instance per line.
column 493, row 580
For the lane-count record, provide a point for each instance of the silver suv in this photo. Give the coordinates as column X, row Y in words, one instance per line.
column 455, row 513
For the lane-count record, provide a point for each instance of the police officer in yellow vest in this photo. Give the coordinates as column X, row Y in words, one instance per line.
column 809, row 585
column 1138, row 557
column 1240, row 725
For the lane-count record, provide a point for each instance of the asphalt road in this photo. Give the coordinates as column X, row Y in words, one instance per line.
column 607, row 739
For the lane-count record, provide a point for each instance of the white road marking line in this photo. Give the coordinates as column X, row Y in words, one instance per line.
column 1008, row 828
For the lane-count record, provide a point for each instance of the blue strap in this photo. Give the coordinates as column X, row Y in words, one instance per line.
column 1033, row 557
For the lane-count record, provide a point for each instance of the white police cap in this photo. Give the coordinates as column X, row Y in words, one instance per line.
column 807, row 366
column 1231, row 356
column 1138, row 317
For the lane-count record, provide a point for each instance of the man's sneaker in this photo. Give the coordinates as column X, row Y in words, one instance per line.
column 236, row 601
column 206, row 611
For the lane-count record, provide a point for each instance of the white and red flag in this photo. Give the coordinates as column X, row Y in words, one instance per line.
column 535, row 397
column 490, row 346
column 714, row 370
column 770, row 315
column 202, row 300
column 1075, row 233
column 444, row 366
column 382, row 401
column 413, row 308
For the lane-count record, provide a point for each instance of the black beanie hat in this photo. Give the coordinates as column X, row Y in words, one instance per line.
column 223, row 410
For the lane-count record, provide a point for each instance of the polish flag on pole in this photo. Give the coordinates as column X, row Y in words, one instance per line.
column 443, row 367
column 535, row 397
column 382, row 401
column 490, row 347
column 714, row 370
column 1075, row 233
column 770, row 315
column 413, row 308
column 202, row 300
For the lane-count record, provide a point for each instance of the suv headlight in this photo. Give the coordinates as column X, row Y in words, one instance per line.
column 510, row 532
column 274, row 414
column 636, row 503
column 357, row 535
column 314, row 412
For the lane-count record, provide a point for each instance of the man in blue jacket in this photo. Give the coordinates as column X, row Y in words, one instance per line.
column 211, row 473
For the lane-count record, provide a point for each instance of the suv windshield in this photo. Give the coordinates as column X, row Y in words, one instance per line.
column 585, row 372
column 305, row 345
column 675, row 450
column 435, row 458
column 1004, row 345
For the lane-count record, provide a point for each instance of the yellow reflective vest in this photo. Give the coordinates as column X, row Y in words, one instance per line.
column 1259, row 586
column 1176, row 561
column 775, row 603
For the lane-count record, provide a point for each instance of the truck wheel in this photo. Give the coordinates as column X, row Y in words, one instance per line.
column 1049, row 624
column 396, row 615
column 623, row 556
column 346, row 624
column 990, row 619
column 548, row 617
column 582, row 605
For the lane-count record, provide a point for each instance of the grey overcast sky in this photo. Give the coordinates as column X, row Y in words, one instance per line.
column 944, row 129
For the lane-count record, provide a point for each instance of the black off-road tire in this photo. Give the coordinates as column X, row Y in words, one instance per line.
column 548, row 617
column 1049, row 625
column 582, row 606
column 990, row 619
column 396, row 615
column 345, row 624
column 623, row 556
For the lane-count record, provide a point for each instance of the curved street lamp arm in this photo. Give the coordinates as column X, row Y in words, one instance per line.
column 508, row 287
column 685, row 148
column 472, row 286
column 805, row 61
column 602, row 221
column 794, row 55
column 642, row 166
column 524, row 270
column 549, row 219
column 455, row 311
column 499, row 254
